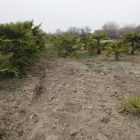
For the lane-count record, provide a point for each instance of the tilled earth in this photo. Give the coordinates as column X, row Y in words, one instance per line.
column 66, row 99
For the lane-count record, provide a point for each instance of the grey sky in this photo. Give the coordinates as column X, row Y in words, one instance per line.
column 65, row 13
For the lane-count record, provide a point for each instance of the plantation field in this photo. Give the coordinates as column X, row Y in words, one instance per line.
column 71, row 99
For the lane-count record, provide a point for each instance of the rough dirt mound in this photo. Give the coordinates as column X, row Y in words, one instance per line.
column 63, row 99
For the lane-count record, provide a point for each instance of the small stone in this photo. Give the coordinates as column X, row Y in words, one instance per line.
column 52, row 137
column 74, row 131
column 31, row 116
column 102, row 73
column 63, row 128
column 90, row 108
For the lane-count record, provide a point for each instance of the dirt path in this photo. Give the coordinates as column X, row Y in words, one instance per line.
column 63, row 99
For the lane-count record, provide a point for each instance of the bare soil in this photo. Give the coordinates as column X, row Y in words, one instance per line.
column 69, row 99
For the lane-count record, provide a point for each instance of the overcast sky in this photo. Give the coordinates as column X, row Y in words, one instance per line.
column 65, row 13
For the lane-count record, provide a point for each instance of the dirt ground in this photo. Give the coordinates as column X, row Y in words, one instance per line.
column 69, row 99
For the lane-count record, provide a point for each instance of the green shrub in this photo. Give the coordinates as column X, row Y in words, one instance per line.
column 131, row 104
column 92, row 45
column 115, row 48
column 84, row 40
column 22, row 40
column 66, row 44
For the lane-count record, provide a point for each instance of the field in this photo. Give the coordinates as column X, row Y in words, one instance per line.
column 71, row 99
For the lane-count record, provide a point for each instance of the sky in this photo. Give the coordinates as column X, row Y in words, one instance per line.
column 62, row 14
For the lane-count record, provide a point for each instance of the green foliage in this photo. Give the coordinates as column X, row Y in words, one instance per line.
column 20, row 41
column 131, row 104
column 99, row 38
column 115, row 48
column 133, row 39
column 96, row 68
column 84, row 40
column 66, row 44
column 92, row 45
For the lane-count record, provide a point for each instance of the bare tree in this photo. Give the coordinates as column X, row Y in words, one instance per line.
column 82, row 32
column 58, row 32
column 112, row 29
column 127, row 28
column 88, row 31
column 138, row 28
column 73, row 30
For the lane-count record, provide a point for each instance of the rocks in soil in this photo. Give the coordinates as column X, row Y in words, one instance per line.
column 52, row 137
column 74, row 131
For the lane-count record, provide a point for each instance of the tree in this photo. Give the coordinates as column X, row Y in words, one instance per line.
column 85, row 32
column 133, row 39
column 73, row 30
column 66, row 44
column 99, row 38
column 84, row 40
column 58, row 32
column 82, row 32
column 112, row 29
column 127, row 29
column 92, row 45
column 22, row 40
column 115, row 48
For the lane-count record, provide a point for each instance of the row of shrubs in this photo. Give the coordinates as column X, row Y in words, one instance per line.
column 69, row 44
column 18, row 43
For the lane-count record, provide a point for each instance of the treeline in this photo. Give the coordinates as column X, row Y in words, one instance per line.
column 114, row 30
column 18, row 43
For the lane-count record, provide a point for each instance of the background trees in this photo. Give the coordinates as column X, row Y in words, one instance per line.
column 112, row 29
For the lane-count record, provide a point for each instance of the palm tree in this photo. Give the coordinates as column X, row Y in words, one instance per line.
column 115, row 48
column 84, row 40
column 66, row 44
column 99, row 38
column 133, row 39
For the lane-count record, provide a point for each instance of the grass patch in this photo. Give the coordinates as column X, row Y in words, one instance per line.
column 14, row 86
column 84, row 56
column 130, row 72
column 44, row 54
column 116, row 64
column 48, row 48
column 97, row 69
column 40, row 54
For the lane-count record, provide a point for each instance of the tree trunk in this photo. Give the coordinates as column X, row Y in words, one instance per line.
column 132, row 52
column 117, row 56
column 98, row 51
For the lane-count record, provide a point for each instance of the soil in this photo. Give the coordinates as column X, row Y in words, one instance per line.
column 66, row 99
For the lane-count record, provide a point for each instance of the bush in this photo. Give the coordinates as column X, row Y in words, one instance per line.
column 66, row 44
column 20, row 41
column 115, row 48
column 92, row 45
column 131, row 104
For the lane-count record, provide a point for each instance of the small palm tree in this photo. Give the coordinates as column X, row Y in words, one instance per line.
column 91, row 46
column 133, row 39
column 66, row 44
column 99, row 38
column 84, row 40
column 115, row 48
